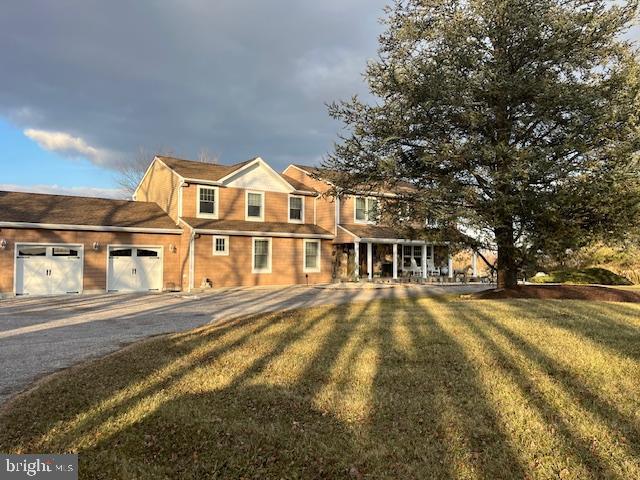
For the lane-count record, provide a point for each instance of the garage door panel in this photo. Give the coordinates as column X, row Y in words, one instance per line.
column 135, row 269
column 48, row 270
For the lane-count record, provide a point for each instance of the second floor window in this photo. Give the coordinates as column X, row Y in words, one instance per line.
column 255, row 206
column 366, row 209
column 207, row 202
column 296, row 205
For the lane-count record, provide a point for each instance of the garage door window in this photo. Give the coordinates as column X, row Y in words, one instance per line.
column 121, row 252
column 64, row 252
column 32, row 251
column 142, row 252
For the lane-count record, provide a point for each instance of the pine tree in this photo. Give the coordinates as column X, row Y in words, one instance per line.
column 518, row 118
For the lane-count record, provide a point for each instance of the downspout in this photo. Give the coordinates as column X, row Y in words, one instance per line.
column 192, row 257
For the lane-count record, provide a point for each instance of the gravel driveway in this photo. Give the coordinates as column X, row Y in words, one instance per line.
column 41, row 335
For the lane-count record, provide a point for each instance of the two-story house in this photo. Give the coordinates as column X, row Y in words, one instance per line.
column 196, row 225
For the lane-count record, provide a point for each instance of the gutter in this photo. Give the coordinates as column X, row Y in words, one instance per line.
column 89, row 228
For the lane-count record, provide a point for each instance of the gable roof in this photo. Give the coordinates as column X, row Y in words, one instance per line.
column 193, row 170
column 200, row 170
column 37, row 210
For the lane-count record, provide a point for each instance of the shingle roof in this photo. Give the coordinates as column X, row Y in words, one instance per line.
column 201, row 170
column 325, row 174
column 215, row 172
column 40, row 208
column 282, row 228
column 374, row 231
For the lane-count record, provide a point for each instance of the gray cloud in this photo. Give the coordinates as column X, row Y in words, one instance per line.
column 237, row 77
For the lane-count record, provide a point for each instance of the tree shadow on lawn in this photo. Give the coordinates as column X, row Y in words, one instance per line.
column 605, row 457
column 374, row 390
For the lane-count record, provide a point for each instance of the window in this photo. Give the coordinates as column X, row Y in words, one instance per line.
column 255, row 206
column 261, row 255
column 311, row 255
column 32, row 251
column 143, row 252
column 296, row 209
column 221, row 246
column 121, row 252
column 207, row 202
column 366, row 210
column 64, row 252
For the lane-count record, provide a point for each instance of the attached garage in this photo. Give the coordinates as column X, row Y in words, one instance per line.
column 58, row 245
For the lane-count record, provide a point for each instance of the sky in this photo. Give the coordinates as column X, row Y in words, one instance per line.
column 85, row 84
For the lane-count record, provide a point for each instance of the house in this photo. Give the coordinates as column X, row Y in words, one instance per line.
column 196, row 225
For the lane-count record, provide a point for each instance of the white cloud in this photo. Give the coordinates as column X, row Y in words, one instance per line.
column 116, row 193
column 69, row 146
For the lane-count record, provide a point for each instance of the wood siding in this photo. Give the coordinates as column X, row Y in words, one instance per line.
column 231, row 204
column 161, row 185
column 235, row 269
column 95, row 262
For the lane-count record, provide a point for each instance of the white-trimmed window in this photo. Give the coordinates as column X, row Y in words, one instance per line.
column 220, row 245
column 311, row 256
column 207, row 198
column 261, row 255
column 254, row 206
column 296, row 209
column 365, row 210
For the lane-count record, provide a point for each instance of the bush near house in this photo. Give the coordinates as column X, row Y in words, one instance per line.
column 584, row 276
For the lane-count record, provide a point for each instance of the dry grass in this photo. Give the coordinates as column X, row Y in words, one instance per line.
column 396, row 389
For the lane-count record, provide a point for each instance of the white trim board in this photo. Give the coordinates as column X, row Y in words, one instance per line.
column 241, row 233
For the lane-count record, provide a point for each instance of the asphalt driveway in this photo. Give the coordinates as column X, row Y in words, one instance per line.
column 39, row 336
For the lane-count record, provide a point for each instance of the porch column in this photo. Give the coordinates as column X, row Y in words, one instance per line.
column 370, row 260
column 395, row 261
column 474, row 264
column 424, row 261
column 450, row 266
column 356, row 271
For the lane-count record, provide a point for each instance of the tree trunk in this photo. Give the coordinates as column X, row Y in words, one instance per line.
column 507, row 267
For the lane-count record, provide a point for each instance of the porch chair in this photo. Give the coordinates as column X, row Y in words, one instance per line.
column 415, row 270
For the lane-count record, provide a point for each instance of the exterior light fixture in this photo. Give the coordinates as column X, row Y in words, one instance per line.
column 172, row 248
column 96, row 246
column 3, row 244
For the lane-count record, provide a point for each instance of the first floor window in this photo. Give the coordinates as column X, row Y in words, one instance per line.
column 221, row 245
column 262, row 255
column 295, row 209
column 311, row 255
column 207, row 201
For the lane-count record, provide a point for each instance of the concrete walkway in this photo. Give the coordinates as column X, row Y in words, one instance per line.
column 39, row 336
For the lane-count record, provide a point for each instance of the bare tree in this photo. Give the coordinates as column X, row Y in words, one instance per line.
column 130, row 173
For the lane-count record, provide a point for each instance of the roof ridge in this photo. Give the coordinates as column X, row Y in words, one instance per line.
column 208, row 163
column 72, row 196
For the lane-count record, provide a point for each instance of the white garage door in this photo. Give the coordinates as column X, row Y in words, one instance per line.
column 134, row 269
column 48, row 269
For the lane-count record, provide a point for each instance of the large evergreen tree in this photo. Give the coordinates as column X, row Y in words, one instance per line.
column 518, row 118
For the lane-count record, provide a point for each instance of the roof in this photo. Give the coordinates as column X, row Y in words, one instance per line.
column 282, row 229
column 214, row 172
column 325, row 173
column 37, row 208
column 374, row 231
column 201, row 170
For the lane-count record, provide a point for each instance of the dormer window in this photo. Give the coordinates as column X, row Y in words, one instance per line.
column 366, row 210
column 207, row 202
column 255, row 206
column 296, row 209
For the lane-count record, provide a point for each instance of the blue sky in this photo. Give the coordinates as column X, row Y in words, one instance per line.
column 86, row 84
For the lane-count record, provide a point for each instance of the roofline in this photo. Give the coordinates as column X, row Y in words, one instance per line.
column 244, row 233
column 390, row 240
column 90, row 228
column 306, row 172
column 156, row 158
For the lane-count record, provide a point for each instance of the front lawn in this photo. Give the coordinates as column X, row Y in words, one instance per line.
column 395, row 389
